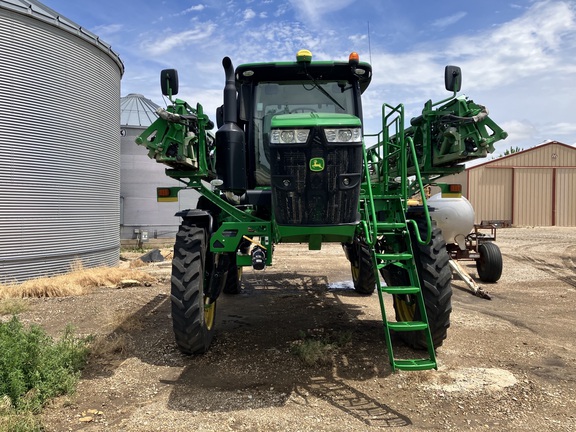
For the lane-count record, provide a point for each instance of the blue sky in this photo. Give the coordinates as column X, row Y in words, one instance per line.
column 518, row 57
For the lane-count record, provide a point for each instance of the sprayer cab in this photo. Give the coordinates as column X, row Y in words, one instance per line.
column 302, row 126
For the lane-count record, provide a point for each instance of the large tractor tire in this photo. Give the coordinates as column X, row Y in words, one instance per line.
column 233, row 283
column 489, row 265
column 361, row 266
column 435, row 282
column 193, row 313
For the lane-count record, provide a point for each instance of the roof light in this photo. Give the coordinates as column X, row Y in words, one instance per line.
column 353, row 58
column 304, row 55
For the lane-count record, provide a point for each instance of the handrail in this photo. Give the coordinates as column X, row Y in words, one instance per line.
column 423, row 196
column 369, row 212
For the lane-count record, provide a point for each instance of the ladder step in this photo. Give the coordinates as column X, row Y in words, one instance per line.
column 417, row 364
column 407, row 325
column 400, row 289
column 404, row 256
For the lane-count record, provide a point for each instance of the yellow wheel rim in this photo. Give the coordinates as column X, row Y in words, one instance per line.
column 209, row 313
column 405, row 310
column 355, row 272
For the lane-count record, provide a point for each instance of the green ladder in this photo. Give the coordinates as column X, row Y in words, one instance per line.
column 404, row 258
column 384, row 206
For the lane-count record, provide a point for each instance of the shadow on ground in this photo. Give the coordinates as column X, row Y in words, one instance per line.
column 252, row 363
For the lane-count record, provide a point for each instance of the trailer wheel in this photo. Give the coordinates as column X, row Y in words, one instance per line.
column 193, row 313
column 489, row 265
column 233, row 283
column 435, row 282
column 362, row 268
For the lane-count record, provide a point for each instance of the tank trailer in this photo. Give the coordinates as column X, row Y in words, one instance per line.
column 288, row 163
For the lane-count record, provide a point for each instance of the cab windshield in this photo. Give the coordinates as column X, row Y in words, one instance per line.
column 292, row 97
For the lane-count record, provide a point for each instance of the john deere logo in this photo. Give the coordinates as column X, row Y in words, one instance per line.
column 317, row 164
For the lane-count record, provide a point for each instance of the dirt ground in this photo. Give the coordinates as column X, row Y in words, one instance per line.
column 507, row 365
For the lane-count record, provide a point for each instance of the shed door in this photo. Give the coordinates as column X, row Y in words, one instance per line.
column 565, row 197
column 533, row 197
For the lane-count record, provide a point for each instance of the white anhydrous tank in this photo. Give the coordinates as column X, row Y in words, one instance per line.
column 454, row 216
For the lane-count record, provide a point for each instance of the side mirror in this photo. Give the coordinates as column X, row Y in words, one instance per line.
column 453, row 78
column 169, row 82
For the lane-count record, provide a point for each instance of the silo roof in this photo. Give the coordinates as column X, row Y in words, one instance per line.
column 136, row 110
column 43, row 13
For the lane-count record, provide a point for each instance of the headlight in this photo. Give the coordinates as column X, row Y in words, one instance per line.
column 289, row 136
column 343, row 135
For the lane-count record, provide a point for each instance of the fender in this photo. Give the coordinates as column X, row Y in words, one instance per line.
column 198, row 217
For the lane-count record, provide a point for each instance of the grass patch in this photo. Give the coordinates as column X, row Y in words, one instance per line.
column 35, row 368
column 13, row 306
column 78, row 281
column 314, row 352
column 319, row 350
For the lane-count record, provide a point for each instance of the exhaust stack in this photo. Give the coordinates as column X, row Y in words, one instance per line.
column 230, row 146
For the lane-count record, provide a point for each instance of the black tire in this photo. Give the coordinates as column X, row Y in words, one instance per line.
column 193, row 314
column 362, row 267
column 233, row 283
column 489, row 265
column 435, row 282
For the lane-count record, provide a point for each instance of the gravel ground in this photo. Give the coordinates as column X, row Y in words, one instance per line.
column 507, row 365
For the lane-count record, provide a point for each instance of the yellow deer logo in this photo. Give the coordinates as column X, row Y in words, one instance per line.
column 317, row 164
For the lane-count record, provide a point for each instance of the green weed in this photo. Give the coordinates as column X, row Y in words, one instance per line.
column 35, row 368
column 319, row 351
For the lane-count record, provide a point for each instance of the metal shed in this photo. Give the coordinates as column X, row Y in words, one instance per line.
column 534, row 187
column 59, row 144
column 141, row 215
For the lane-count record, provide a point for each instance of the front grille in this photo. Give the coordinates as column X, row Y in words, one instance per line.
column 301, row 196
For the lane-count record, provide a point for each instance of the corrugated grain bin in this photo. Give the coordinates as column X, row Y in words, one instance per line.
column 59, row 144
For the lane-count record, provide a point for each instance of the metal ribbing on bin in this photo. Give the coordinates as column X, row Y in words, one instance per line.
column 59, row 144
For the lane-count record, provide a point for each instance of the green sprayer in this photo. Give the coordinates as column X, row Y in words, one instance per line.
column 289, row 164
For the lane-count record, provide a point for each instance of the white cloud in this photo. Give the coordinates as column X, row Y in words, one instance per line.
column 180, row 40
column 449, row 20
column 519, row 132
column 313, row 10
column 106, row 30
column 196, row 8
column 561, row 128
column 527, row 46
column 356, row 38
column 249, row 14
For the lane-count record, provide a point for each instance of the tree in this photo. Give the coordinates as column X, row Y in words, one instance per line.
column 510, row 151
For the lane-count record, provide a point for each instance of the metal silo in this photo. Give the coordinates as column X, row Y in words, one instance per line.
column 59, row 144
column 141, row 215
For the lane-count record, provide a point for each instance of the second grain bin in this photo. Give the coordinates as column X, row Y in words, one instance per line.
column 142, row 218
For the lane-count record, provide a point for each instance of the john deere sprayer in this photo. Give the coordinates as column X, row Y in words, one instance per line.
column 289, row 164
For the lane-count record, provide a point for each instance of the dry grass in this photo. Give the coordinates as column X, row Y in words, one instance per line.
column 13, row 306
column 137, row 263
column 79, row 281
column 109, row 345
column 119, row 327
